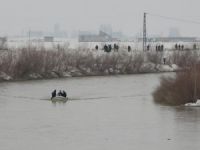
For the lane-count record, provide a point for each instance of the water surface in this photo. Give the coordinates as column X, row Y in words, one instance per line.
column 104, row 113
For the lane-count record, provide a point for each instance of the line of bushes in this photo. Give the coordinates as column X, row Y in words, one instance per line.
column 38, row 62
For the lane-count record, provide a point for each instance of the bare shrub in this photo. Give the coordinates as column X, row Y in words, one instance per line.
column 103, row 62
column 24, row 61
column 3, row 43
column 132, row 63
column 84, row 59
column 180, row 89
column 155, row 57
column 184, row 59
column 7, row 60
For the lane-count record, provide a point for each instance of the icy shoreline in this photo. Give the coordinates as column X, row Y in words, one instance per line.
column 146, row 68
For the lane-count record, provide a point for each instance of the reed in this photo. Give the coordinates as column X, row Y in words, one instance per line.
column 180, row 89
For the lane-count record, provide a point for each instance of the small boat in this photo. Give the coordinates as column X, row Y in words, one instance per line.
column 197, row 104
column 59, row 99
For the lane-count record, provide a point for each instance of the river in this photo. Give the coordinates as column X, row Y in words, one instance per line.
column 103, row 113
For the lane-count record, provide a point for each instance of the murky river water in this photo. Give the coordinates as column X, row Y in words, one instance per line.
column 104, row 113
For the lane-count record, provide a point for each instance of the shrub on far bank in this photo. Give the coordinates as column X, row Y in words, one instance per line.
column 32, row 61
column 155, row 57
column 184, row 59
column 180, row 89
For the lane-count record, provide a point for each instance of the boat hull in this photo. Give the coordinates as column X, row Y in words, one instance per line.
column 59, row 99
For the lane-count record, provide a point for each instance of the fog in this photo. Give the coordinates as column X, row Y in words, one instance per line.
column 125, row 15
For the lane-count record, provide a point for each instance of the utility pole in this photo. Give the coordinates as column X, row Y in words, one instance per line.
column 195, row 82
column 144, row 33
column 29, row 39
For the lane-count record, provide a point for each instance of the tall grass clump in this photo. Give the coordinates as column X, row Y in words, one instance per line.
column 184, row 58
column 180, row 89
column 155, row 57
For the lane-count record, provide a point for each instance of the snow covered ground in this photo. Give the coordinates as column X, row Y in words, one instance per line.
column 75, row 44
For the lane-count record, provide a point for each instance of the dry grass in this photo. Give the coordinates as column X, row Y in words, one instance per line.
column 184, row 58
column 22, row 62
column 155, row 57
column 180, row 89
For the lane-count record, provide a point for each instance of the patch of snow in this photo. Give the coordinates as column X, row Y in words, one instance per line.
column 164, row 68
column 54, row 74
column 35, row 76
column 148, row 67
column 75, row 72
column 175, row 67
column 5, row 77
column 111, row 70
column 66, row 74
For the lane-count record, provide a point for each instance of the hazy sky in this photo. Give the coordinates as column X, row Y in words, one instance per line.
column 125, row 15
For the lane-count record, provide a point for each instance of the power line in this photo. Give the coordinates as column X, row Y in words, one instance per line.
column 175, row 19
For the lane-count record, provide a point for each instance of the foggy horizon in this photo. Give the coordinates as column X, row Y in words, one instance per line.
column 73, row 15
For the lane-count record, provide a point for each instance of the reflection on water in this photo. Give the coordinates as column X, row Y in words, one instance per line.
column 102, row 113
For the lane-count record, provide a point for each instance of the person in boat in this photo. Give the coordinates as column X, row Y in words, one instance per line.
column 64, row 94
column 60, row 93
column 53, row 94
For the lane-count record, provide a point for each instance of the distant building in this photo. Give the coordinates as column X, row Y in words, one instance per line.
column 101, row 37
column 170, row 39
column 57, row 29
column 48, row 39
column 35, row 33
column 117, row 35
column 3, row 41
column 106, row 28
column 174, row 32
column 58, row 32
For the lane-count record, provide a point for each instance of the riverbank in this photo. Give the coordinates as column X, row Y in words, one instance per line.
column 40, row 63
column 84, row 73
